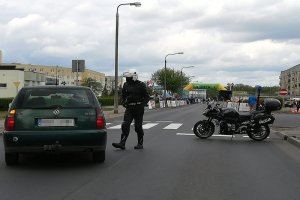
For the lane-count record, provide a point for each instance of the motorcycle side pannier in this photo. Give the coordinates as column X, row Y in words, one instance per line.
column 272, row 104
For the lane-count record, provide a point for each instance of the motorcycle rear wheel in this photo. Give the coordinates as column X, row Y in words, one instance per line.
column 204, row 129
column 260, row 133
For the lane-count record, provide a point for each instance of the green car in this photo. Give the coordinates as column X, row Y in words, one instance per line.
column 54, row 118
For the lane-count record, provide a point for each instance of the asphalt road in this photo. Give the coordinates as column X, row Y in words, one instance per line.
column 286, row 120
column 174, row 165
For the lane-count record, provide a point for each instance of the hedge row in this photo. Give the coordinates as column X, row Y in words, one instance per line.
column 4, row 102
column 106, row 101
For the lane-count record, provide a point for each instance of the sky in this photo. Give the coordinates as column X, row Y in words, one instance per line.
column 227, row 41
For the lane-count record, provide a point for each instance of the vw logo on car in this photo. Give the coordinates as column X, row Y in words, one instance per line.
column 56, row 112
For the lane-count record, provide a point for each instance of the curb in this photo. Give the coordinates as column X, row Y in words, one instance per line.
column 292, row 140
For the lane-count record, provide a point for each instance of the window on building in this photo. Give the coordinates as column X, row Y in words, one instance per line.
column 3, row 85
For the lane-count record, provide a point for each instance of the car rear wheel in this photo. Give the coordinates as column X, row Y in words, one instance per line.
column 11, row 158
column 99, row 156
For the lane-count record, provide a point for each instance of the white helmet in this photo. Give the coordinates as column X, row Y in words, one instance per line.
column 132, row 75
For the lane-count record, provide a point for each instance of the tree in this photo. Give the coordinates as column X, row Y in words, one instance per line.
column 266, row 90
column 93, row 84
column 174, row 79
column 105, row 91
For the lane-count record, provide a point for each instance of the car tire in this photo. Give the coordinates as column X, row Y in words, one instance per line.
column 11, row 158
column 99, row 156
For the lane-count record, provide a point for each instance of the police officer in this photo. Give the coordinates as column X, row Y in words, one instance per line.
column 134, row 98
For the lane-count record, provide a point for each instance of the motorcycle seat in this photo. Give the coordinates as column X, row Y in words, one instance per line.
column 257, row 111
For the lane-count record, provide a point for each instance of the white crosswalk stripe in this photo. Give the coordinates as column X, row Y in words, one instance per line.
column 115, row 127
column 149, row 125
column 173, row 126
column 145, row 126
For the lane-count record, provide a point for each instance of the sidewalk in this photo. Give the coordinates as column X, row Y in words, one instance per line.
column 290, row 134
column 110, row 114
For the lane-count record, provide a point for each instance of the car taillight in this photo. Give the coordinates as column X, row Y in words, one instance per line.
column 10, row 120
column 100, row 120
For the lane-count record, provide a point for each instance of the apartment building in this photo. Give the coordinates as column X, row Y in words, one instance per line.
column 63, row 74
column 290, row 80
column 50, row 75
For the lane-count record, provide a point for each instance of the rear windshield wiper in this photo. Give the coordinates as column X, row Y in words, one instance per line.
column 54, row 106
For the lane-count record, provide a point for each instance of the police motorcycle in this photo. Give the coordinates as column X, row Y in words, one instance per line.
column 255, row 124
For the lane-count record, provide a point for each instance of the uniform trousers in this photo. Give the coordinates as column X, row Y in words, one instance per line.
column 136, row 113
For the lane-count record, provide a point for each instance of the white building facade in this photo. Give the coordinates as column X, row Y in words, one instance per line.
column 11, row 81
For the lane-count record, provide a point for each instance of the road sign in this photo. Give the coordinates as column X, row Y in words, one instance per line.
column 17, row 83
column 283, row 92
column 80, row 64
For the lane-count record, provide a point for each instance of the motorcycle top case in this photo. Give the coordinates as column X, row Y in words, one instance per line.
column 272, row 104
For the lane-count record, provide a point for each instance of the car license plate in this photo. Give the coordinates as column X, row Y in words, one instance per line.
column 55, row 122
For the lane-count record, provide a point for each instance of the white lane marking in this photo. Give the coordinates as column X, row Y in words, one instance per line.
column 246, row 136
column 173, row 126
column 184, row 134
column 149, row 125
column 115, row 127
column 164, row 121
column 212, row 135
column 223, row 135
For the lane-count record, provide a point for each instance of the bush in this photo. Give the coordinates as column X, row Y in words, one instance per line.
column 107, row 101
column 4, row 103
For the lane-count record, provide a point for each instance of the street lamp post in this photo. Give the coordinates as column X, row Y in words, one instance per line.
column 181, row 78
column 165, row 81
column 136, row 4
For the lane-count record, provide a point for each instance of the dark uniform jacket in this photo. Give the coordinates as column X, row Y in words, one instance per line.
column 134, row 92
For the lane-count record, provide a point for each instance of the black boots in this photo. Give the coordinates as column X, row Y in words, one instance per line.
column 121, row 145
column 140, row 143
column 139, row 146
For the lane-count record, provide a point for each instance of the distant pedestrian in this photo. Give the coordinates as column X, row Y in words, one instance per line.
column 298, row 105
column 252, row 102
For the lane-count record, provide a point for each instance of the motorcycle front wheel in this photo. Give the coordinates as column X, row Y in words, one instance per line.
column 260, row 133
column 204, row 129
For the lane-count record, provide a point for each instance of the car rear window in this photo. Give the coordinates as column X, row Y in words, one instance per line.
column 54, row 97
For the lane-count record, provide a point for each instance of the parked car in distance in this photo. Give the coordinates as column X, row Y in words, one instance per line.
column 288, row 104
column 54, row 118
